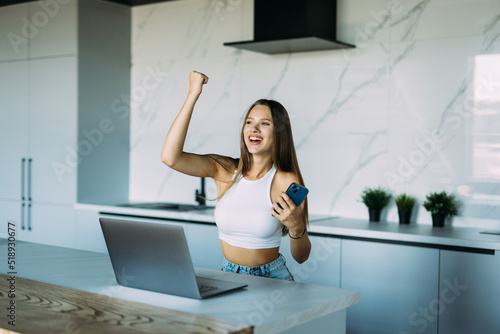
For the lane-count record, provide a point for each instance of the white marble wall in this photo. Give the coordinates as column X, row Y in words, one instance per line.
column 414, row 108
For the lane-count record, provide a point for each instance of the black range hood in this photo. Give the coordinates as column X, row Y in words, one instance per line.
column 283, row 26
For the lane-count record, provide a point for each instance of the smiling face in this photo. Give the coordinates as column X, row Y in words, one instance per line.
column 258, row 132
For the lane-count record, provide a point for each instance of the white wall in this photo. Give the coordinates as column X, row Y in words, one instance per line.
column 361, row 117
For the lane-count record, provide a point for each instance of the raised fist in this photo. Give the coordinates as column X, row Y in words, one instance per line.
column 196, row 82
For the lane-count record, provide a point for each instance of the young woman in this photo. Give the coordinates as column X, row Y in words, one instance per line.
column 250, row 221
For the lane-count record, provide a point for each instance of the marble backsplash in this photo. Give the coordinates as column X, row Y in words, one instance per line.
column 414, row 108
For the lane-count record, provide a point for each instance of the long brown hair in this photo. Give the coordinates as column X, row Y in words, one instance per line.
column 284, row 156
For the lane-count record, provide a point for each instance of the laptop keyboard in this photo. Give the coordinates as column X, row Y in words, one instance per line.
column 205, row 288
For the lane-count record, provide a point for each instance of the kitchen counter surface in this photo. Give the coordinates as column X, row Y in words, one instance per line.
column 425, row 235
column 202, row 216
column 269, row 305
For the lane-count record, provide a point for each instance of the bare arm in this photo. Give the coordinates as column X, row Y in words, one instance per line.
column 291, row 216
column 172, row 153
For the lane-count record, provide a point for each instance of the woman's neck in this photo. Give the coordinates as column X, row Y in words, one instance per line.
column 259, row 167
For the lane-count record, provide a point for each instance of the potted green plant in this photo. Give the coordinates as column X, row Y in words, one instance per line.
column 375, row 200
column 405, row 205
column 440, row 205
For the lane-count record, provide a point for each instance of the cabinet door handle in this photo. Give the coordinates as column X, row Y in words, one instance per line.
column 29, row 216
column 23, row 206
column 29, row 179
column 23, row 177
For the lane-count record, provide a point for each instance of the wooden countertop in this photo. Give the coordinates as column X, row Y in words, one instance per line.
column 48, row 308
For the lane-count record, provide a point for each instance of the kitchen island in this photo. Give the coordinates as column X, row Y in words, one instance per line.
column 265, row 306
column 404, row 267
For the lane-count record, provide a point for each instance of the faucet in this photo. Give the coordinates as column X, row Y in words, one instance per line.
column 200, row 195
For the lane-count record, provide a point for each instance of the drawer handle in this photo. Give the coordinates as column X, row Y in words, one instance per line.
column 29, row 179
column 29, row 217
column 23, row 177
column 23, row 206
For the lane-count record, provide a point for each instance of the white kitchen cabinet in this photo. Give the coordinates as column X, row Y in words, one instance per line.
column 469, row 293
column 204, row 245
column 38, row 117
column 54, row 96
column 43, row 223
column 323, row 265
column 38, row 29
column 38, row 124
column 14, row 39
column 398, row 285
column 10, row 212
column 55, row 28
column 13, row 127
column 50, row 224
column 53, row 129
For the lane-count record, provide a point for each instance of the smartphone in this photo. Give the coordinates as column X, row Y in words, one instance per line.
column 297, row 193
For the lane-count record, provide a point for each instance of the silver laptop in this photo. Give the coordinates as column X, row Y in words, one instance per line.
column 156, row 257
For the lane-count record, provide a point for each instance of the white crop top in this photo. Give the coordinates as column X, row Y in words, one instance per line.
column 243, row 214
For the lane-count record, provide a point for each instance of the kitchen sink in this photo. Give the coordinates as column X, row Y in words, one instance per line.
column 164, row 206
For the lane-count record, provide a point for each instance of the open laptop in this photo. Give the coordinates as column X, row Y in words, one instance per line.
column 156, row 257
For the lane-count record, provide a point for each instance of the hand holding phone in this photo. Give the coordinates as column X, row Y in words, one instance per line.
column 297, row 193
